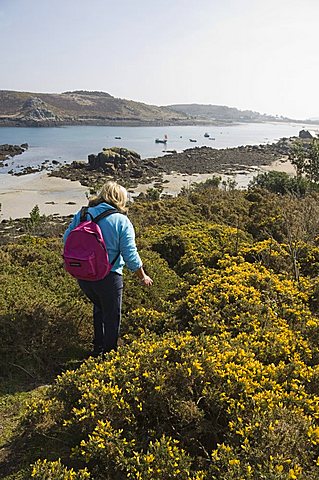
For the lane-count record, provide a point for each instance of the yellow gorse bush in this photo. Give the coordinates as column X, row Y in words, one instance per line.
column 218, row 374
column 207, row 388
column 190, row 246
column 45, row 470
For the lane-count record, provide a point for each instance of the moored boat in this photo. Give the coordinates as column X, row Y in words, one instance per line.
column 161, row 140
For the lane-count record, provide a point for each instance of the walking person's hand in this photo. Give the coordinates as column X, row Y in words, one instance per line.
column 146, row 281
column 143, row 278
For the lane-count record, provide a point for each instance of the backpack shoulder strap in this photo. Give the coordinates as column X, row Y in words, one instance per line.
column 104, row 214
column 115, row 259
column 83, row 214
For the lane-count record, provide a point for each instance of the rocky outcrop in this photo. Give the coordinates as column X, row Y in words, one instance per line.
column 308, row 134
column 7, row 150
column 36, row 110
column 118, row 163
column 198, row 160
column 112, row 159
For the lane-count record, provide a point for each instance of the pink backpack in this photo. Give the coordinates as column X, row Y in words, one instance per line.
column 85, row 255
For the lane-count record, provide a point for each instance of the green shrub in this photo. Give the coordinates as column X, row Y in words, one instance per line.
column 44, row 319
column 281, row 182
column 166, row 282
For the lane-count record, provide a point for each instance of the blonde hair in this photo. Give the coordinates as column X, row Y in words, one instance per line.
column 113, row 194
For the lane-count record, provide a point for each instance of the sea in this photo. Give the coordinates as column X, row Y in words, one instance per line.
column 66, row 144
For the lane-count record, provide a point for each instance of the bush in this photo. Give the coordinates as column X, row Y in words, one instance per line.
column 166, row 282
column 281, row 182
column 44, row 470
column 184, row 404
column 43, row 317
column 189, row 247
column 247, row 301
column 217, row 376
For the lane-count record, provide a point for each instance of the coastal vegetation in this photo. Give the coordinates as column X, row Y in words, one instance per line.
column 216, row 376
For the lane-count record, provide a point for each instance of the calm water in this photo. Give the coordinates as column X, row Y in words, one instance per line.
column 66, row 144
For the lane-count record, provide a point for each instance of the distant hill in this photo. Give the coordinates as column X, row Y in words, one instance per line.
column 80, row 108
column 221, row 113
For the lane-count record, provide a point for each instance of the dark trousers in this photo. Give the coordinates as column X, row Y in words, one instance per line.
column 106, row 296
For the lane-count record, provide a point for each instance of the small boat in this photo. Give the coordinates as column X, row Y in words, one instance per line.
column 212, row 138
column 192, row 140
column 161, row 140
column 206, row 135
column 118, row 138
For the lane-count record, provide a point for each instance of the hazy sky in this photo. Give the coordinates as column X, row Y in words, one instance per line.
column 250, row 54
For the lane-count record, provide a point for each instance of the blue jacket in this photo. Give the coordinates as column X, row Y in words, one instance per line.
column 118, row 234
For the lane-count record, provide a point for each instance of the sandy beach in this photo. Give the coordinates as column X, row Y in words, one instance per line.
column 280, row 165
column 57, row 196
column 18, row 195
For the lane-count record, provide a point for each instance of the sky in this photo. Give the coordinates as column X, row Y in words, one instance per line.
column 260, row 55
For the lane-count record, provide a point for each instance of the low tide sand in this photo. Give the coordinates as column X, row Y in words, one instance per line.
column 57, row 196
column 18, row 195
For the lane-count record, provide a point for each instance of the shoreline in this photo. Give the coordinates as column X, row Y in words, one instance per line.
column 54, row 196
column 152, row 123
column 62, row 197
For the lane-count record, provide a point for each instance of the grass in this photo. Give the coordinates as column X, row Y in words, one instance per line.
column 15, row 394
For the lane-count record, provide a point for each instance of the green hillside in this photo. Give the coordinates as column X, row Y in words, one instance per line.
column 79, row 108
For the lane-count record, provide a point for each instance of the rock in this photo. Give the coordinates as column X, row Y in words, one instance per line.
column 151, row 164
column 36, row 110
column 136, row 173
column 113, row 156
column 78, row 164
column 109, row 169
column 126, row 166
column 125, row 152
column 26, row 171
column 308, row 134
column 7, row 150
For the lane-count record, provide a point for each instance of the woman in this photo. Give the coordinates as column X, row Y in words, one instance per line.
column 119, row 238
